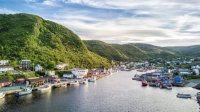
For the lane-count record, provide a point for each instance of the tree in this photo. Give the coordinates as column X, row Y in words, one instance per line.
column 51, row 65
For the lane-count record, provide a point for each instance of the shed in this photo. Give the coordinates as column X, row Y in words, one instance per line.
column 37, row 81
column 5, row 82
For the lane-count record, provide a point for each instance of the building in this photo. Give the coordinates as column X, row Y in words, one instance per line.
column 38, row 67
column 5, row 82
column 4, row 62
column 36, row 81
column 50, row 73
column 25, row 64
column 68, row 76
column 79, row 73
column 184, row 72
column 61, row 66
column 6, row 68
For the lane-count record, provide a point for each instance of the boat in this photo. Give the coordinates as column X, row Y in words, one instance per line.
column 44, row 87
column 74, row 82
column 27, row 90
column 144, row 83
column 92, row 79
column 2, row 94
column 169, row 86
column 56, row 86
column 85, row 81
column 181, row 95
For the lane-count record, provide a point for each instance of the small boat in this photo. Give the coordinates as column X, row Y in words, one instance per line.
column 24, row 92
column 198, row 94
column 74, row 82
column 144, row 83
column 85, row 81
column 44, row 88
column 57, row 86
column 92, row 79
column 2, row 94
column 184, row 95
column 169, row 86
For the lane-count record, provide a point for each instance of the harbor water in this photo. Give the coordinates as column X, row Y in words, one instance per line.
column 115, row 93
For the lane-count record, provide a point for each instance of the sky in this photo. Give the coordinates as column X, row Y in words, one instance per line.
column 157, row 22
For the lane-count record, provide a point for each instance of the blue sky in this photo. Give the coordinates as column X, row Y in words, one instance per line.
column 158, row 22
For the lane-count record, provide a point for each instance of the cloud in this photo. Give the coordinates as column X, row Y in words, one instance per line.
column 159, row 22
column 7, row 11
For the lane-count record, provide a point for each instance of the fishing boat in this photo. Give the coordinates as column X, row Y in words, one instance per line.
column 183, row 95
column 27, row 90
column 2, row 94
column 144, row 83
column 74, row 82
column 92, row 79
column 44, row 88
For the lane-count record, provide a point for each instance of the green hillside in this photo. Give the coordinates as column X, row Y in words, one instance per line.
column 105, row 50
column 158, row 52
column 193, row 51
column 130, row 52
column 25, row 36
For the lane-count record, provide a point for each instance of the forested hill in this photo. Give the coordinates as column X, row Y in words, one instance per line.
column 26, row 36
column 130, row 52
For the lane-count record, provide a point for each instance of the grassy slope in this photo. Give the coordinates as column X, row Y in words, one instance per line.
column 25, row 36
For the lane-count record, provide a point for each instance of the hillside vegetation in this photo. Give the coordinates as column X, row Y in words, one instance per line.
column 26, row 36
column 130, row 52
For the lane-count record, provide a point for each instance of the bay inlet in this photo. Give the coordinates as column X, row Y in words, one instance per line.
column 115, row 93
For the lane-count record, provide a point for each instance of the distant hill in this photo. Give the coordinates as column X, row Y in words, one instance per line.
column 105, row 50
column 193, row 51
column 130, row 52
column 26, row 36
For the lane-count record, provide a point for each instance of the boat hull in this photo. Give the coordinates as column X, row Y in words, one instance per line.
column 184, row 96
column 23, row 93
column 2, row 95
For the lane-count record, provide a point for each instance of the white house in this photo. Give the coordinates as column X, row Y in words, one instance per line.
column 38, row 67
column 51, row 73
column 196, row 71
column 61, row 66
column 69, row 76
column 4, row 62
column 6, row 68
column 79, row 73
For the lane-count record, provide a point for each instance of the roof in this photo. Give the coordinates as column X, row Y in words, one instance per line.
column 2, row 66
column 36, row 80
column 25, row 60
column 4, row 80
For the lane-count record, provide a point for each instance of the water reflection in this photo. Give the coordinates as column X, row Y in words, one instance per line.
column 112, row 94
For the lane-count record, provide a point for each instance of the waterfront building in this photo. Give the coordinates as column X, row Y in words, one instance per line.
column 5, row 68
column 79, row 73
column 184, row 72
column 5, row 82
column 36, row 81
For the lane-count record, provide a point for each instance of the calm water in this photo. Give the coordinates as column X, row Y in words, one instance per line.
column 116, row 93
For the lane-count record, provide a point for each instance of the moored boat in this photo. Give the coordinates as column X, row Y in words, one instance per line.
column 57, row 86
column 85, row 81
column 92, row 79
column 169, row 86
column 184, row 95
column 24, row 92
column 76, row 82
column 144, row 83
column 44, row 88
column 2, row 95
